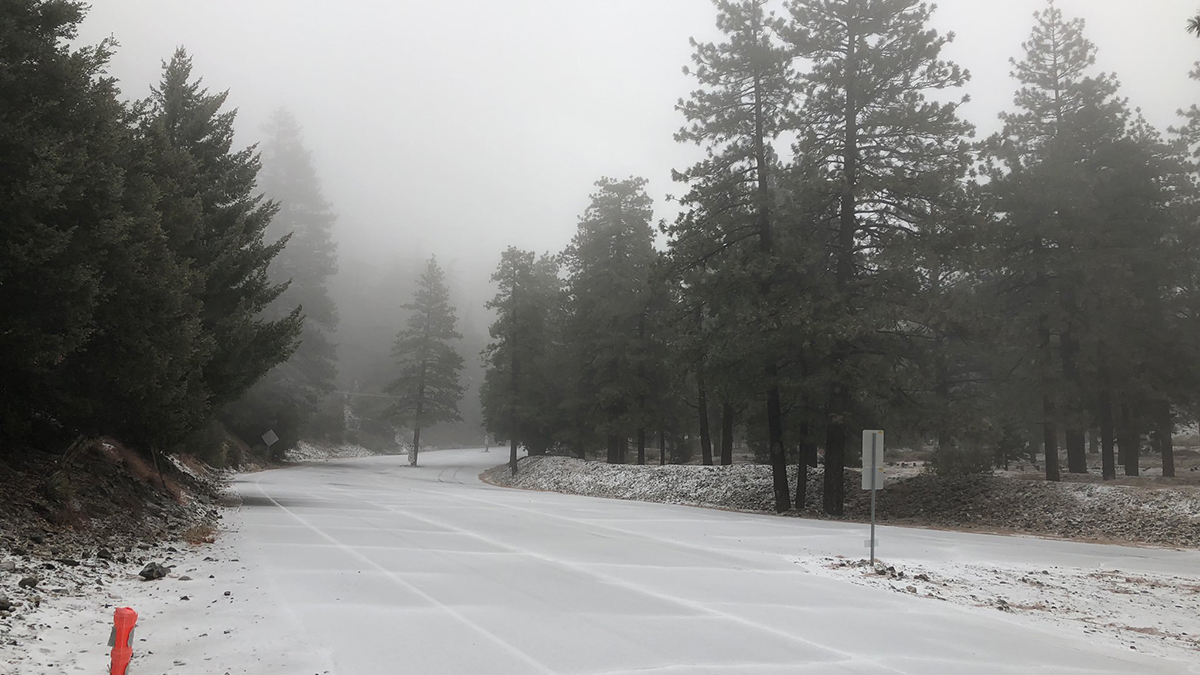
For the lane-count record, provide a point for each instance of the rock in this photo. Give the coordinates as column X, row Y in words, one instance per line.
column 153, row 571
column 29, row 582
column 184, row 597
column 185, row 578
column 228, row 593
column 5, row 603
column 67, row 561
column 104, row 554
column 8, row 566
column 17, row 550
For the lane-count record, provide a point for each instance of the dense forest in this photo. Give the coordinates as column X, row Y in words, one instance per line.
column 848, row 255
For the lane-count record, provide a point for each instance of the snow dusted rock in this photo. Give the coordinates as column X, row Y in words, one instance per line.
column 8, row 566
column 5, row 603
column 29, row 582
column 153, row 571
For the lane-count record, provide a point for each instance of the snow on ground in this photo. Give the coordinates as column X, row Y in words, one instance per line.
column 1167, row 516
column 314, row 452
column 1156, row 614
column 213, row 614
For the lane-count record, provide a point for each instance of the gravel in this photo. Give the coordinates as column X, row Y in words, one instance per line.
column 1085, row 511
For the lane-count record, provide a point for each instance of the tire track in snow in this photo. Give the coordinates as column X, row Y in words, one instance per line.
column 537, row 665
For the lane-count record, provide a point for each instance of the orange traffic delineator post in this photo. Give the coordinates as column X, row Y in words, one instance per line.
column 124, row 619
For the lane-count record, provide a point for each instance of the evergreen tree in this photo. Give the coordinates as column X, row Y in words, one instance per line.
column 743, row 103
column 99, row 335
column 521, row 392
column 427, row 388
column 216, row 221
column 297, row 388
column 889, row 151
column 608, row 263
column 1084, row 190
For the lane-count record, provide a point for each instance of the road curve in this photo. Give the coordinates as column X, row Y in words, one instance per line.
column 390, row 569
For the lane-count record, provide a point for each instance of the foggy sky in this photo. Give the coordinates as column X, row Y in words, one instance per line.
column 458, row 128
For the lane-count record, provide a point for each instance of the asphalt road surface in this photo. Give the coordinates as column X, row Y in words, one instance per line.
column 387, row 568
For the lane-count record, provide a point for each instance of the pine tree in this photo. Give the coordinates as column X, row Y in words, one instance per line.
column 216, row 221
column 1083, row 189
column 609, row 263
column 888, row 151
column 99, row 334
column 521, row 392
column 427, row 389
column 743, row 103
column 295, row 389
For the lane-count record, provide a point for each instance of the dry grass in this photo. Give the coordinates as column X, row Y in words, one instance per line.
column 200, row 534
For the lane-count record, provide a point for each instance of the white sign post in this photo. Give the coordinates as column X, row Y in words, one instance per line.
column 872, row 474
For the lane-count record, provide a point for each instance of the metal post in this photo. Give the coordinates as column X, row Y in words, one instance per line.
column 874, row 473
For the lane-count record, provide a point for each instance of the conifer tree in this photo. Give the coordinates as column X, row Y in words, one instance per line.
column 215, row 219
column 427, row 389
column 99, row 333
column 743, row 102
column 296, row 389
column 609, row 264
column 521, row 392
column 889, row 152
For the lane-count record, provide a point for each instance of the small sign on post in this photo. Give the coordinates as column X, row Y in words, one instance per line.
column 270, row 438
column 872, row 475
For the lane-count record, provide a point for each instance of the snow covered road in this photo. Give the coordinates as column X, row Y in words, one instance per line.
column 387, row 568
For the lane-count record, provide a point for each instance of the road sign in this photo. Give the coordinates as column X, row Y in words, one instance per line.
column 872, row 469
column 270, row 438
column 872, row 464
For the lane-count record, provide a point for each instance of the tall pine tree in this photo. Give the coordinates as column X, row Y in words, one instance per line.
column 890, row 152
column 521, row 392
column 215, row 219
column 289, row 398
column 609, row 263
column 427, row 389
column 745, row 98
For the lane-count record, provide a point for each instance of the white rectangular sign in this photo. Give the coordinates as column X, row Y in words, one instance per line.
column 872, row 438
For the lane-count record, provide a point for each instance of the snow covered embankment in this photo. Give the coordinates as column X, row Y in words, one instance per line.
column 1151, row 613
column 1083, row 511
column 313, row 452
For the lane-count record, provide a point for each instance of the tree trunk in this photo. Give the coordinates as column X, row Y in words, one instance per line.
column 834, row 497
column 512, row 383
column 1107, row 458
column 726, row 433
column 802, row 464
column 614, row 449
column 416, row 445
column 1129, row 439
column 1165, row 430
column 834, row 487
column 662, row 447
column 1049, row 412
column 1075, row 439
column 702, row 406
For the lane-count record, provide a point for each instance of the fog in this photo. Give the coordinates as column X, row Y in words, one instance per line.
column 459, row 128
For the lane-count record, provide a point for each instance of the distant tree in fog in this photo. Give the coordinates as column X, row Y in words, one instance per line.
column 290, row 398
column 522, row 388
column 427, row 389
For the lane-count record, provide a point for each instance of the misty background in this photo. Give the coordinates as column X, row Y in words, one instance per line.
column 456, row 129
